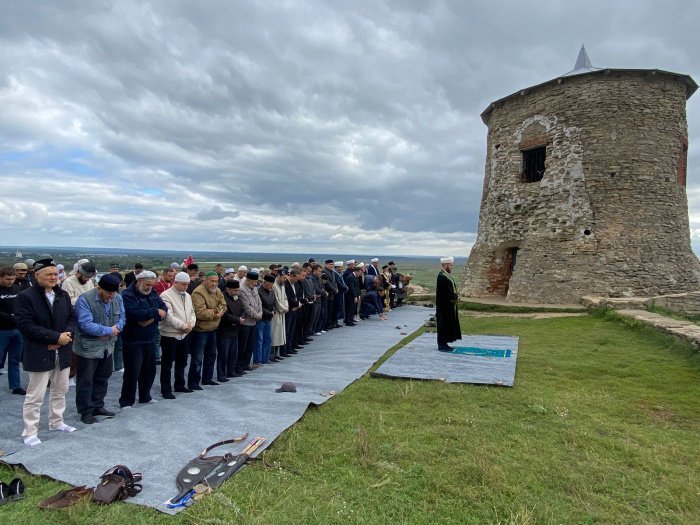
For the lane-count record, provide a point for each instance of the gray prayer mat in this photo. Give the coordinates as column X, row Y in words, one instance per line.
column 478, row 359
column 159, row 439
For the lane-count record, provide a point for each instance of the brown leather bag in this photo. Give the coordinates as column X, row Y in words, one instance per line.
column 117, row 483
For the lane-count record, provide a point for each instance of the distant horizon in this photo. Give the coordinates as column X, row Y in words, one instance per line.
column 109, row 251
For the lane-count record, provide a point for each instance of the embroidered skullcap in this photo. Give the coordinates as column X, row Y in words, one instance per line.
column 42, row 263
column 211, row 273
column 338, row 264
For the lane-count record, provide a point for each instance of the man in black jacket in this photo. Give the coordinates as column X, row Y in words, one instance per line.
column 264, row 326
column 227, row 333
column 290, row 320
column 352, row 295
column 46, row 319
column 10, row 337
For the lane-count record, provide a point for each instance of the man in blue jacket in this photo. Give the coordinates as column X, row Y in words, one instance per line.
column 144, row 309
column 46, row 319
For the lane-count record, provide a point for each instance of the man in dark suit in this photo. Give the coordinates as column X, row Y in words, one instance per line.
column 352, row 295
column 46, row 319
column 131, row 276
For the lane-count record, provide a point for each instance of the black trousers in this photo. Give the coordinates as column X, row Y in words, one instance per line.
column 350, row 307
column 227, row 355
column 290, row 325
column 246, row 345
column 331, row 312
column 92, row 377
column 139, row 372
column 173, row 351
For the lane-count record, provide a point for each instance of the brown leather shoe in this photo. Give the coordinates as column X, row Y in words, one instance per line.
column 65, row 498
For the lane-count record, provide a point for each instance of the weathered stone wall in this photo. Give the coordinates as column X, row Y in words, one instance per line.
column 610, row 215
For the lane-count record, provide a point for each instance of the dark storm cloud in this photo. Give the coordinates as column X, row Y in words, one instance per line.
column 357, row 122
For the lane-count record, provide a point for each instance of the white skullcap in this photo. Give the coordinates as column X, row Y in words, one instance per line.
column 374, row 260
column 60, row 267
column 361, row 265
column 174, row 266
column 229, row 270
column 146, row 274
column 296, row 265
column 242, row 267
column 351, row 261
column 181, row 277
column 446, row 260
column 338, row 264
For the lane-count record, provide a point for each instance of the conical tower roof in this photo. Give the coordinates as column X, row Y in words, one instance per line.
column 583, row 64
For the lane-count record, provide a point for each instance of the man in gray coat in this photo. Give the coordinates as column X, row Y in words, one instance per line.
column 100, row 316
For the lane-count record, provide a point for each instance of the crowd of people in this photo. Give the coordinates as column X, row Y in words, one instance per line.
column 76, row 328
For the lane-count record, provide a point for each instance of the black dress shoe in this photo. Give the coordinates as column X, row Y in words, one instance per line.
column 238, row 375
column 222, row 379
column 185, row 390
column 293, row 352
column 168, row 395
column 248, row 368
column 19, row 391
column 275, row 359
column 102, row 412
column 88, row 419
column 445, row 348
column 196, row 387
column 210, row 383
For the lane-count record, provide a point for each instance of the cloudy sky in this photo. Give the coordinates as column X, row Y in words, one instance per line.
column 304, row 126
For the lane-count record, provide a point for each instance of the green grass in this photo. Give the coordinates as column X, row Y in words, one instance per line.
column 602, row 426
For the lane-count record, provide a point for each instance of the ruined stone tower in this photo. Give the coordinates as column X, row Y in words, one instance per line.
column 584, row 190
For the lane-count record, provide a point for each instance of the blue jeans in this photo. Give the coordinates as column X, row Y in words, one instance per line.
column 263, row 342
column 11, row 345
column 203, row 350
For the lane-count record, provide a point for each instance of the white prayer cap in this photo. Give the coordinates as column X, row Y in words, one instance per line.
column 361, row 265
column 181, row 277
column 242, row 267
column 174, row 266
column 296, row 265
column 229, row 270
column 351, row 261
column 446, row 260
column 338, row 264
column 374, row 260
column 146, row 274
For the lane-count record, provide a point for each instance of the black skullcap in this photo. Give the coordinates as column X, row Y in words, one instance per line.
column 329, row 261
column 109, row 282
column 253, row 276
column 233, row 284
column 269, row 278
column 193, row 266
column 282, row 272
column 88, row 269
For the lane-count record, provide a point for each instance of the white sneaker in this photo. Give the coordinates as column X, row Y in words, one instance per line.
column 120, row 371
column 71, row 382
column 317, row 333
column 64, row 428
column 151, row 402
column 323, row 331
column 32, row 441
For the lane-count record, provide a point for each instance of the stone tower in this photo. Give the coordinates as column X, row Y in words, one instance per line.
column 584, row 190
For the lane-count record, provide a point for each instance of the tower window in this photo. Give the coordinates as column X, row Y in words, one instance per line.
column 533, row 164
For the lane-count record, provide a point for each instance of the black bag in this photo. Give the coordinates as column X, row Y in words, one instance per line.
column 117, row 483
